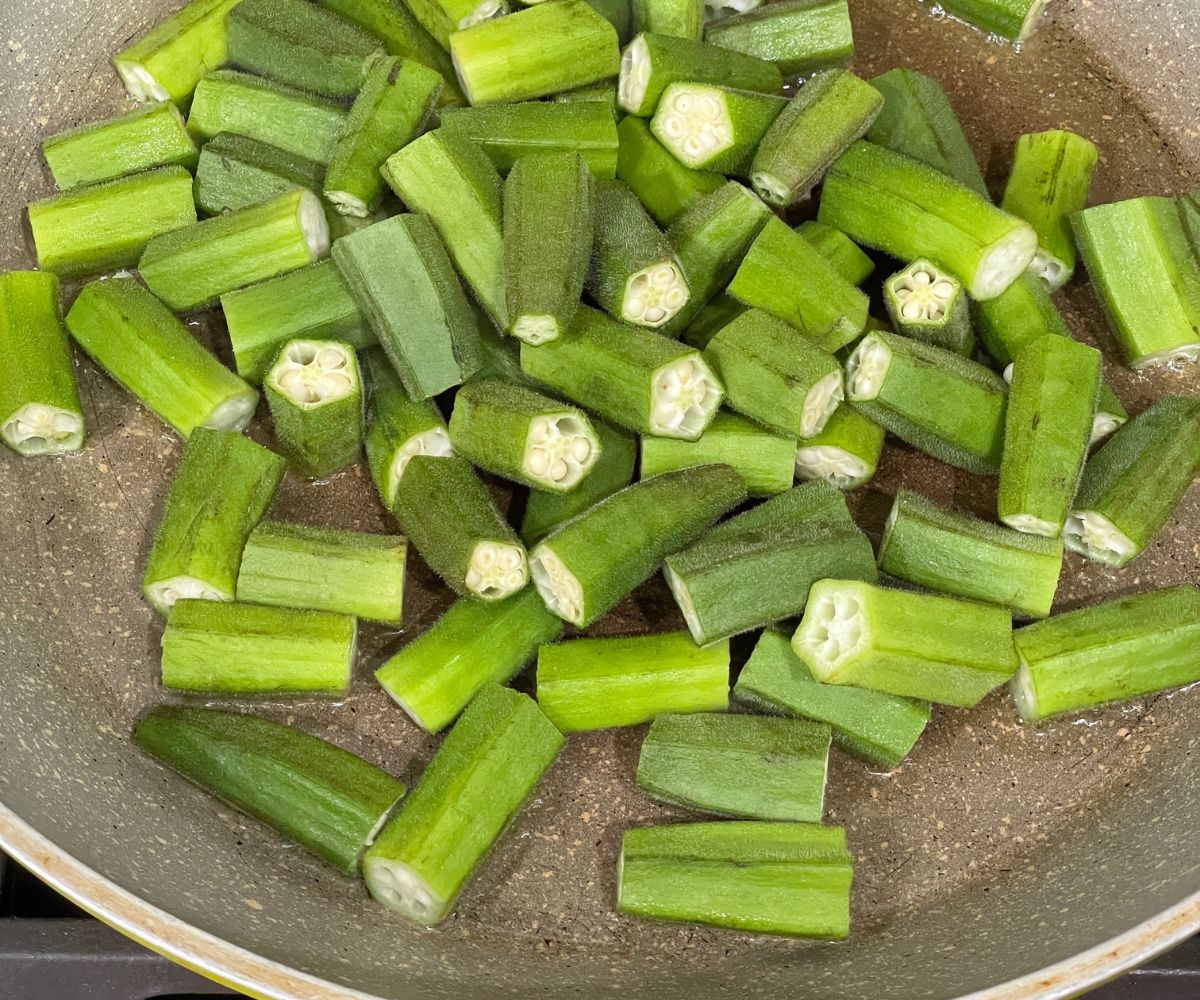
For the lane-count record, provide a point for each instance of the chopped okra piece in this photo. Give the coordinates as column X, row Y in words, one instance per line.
column 799, row 36
column 662, row 184
column 441, row 18
column 235, row 172
column 844, row 453
column 670, row 18
column 836, row 247
column 1014, row 20
column 618, row 13
column 925, row 303
column 763, row 457
column 711, row 320
column 707, row 127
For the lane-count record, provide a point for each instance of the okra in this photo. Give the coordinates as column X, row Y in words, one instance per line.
column 150, row 136
column 40, row 412
column 167, row 62
column 392, row 108
column 435, row 676
column 775, row 376
column 878, row 728
column 324, row 569
column 1051, row 410
column 313, row 303
column 662, row 184
column 670, row 18
column 451, row 520
column 957, row 554
column 237, row 172
column 1050, row 180
column 1110, row 415
column 918, row 120
column 558, row 46
column 587, row 684
column 937, row 401
column 454, row 183
column 832, row 110
column 302, row 124
column 926, row 303
column 770, row 878
column 546, row 510
column 764, row 458
column 652, row 62
column 799, row 36
column 604, row 92
column 1121, row 649
column 500, row 355
column 707, row 127
column 1132, row 485
column 140, row 343
column 809, row 503
column 583, row 568
column 630, row 377
column 836, row 247
column 481, row 775
column 785, row 276
column 1146, row 277
column 106, row 226
column 320, row 796
column 400, row 274
column 737, row 765
column 548, row 230
column 1015, row 20
column 888, row 201
column 845, row 453
column 507, row 132
column 749, row 574
column 711, row 320
column 618, row 13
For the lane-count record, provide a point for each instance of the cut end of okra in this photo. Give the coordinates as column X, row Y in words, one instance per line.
column 923, row 294
column 559, row 587
column 819, row 404
column 398, row 886
column 770, row 188
column 866, row 368
column 313, row 373
column 434, row 442
column 560, row 450
column 1003, row 263
column 1174, row 358
column 686, row 395
column 683, row 598
column 1022, row 691
column 39, row 429
column 536, row 330
column 836, row 466
column 348, row 204
column 1050, row 269
column 164, row 594
column 654, row 294
column 1030, row 524
column 634, row 77
column 694, row 123
column 1095, row 537
column 497, row 570
column 485, row 11
column 140, row 83
column 314, row 225
column 834, row 628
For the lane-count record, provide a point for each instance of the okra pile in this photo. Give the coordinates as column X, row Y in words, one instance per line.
column 597, row 250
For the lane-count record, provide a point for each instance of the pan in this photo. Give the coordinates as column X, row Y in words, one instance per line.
column 1001, row 861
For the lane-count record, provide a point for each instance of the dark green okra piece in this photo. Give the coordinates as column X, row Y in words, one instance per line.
column 662, row 184
column 235, row 172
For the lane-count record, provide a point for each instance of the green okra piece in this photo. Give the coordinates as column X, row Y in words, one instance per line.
column 808, row 503
column 1132, row 485
column 827, row 114
column 474, row 643
column 1110, row 414
column 548, row 231
column 236, row 172
column 1014, row 20
column 558, row 46
column 500, row 355
column 845, row 453
column 771, row 878
column 1146, row 277
column 324, row 569
column 799, row 36
column 634, row 274
column 711, row 320
column 318, row 795
column 836, row 247
column 662, row 184
column 1120, row 649
column 708, row 127
column 746, row 766
column 784, row 275
column 587, row 684
column 747, row 574
column 146, row 350
column 918, row 120
column 475, row 785
column 618, row 13
column 878, row 728
column 1050, row 180
column 451, row 520
column 952, row 552
column 150, row 136
column 775, row 376
column 652, row 62
column 508, row 132
column 764, row 458
column 222, row 648
column 1051, row 410
column 401, row 276
column 197, row 264
column 613, row 469
column 392, row 108
column 453, row 182
column 222, row 487
column 40, row 412
column 441, row 18
column 670, row 18
column 710, row 239
column 313, row 303
column 935, row 400
column 168, row 61
column 630, row 377
column 906, row 208
column 106, row 226
column 584, row 567
column 926, row 646
column 928, row 304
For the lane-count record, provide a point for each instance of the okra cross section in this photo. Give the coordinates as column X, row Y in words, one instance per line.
column 928, row 304
column 708, row 127
column 845, row 453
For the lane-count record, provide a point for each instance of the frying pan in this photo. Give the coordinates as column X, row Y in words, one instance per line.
column 1001, row 861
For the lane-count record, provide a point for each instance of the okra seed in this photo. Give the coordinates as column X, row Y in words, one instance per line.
column 540, row 431
column 539, row 461
column 558, row 471
column 581, row 449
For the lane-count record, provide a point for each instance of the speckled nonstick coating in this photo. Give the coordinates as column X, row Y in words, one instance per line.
column 996, row 851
